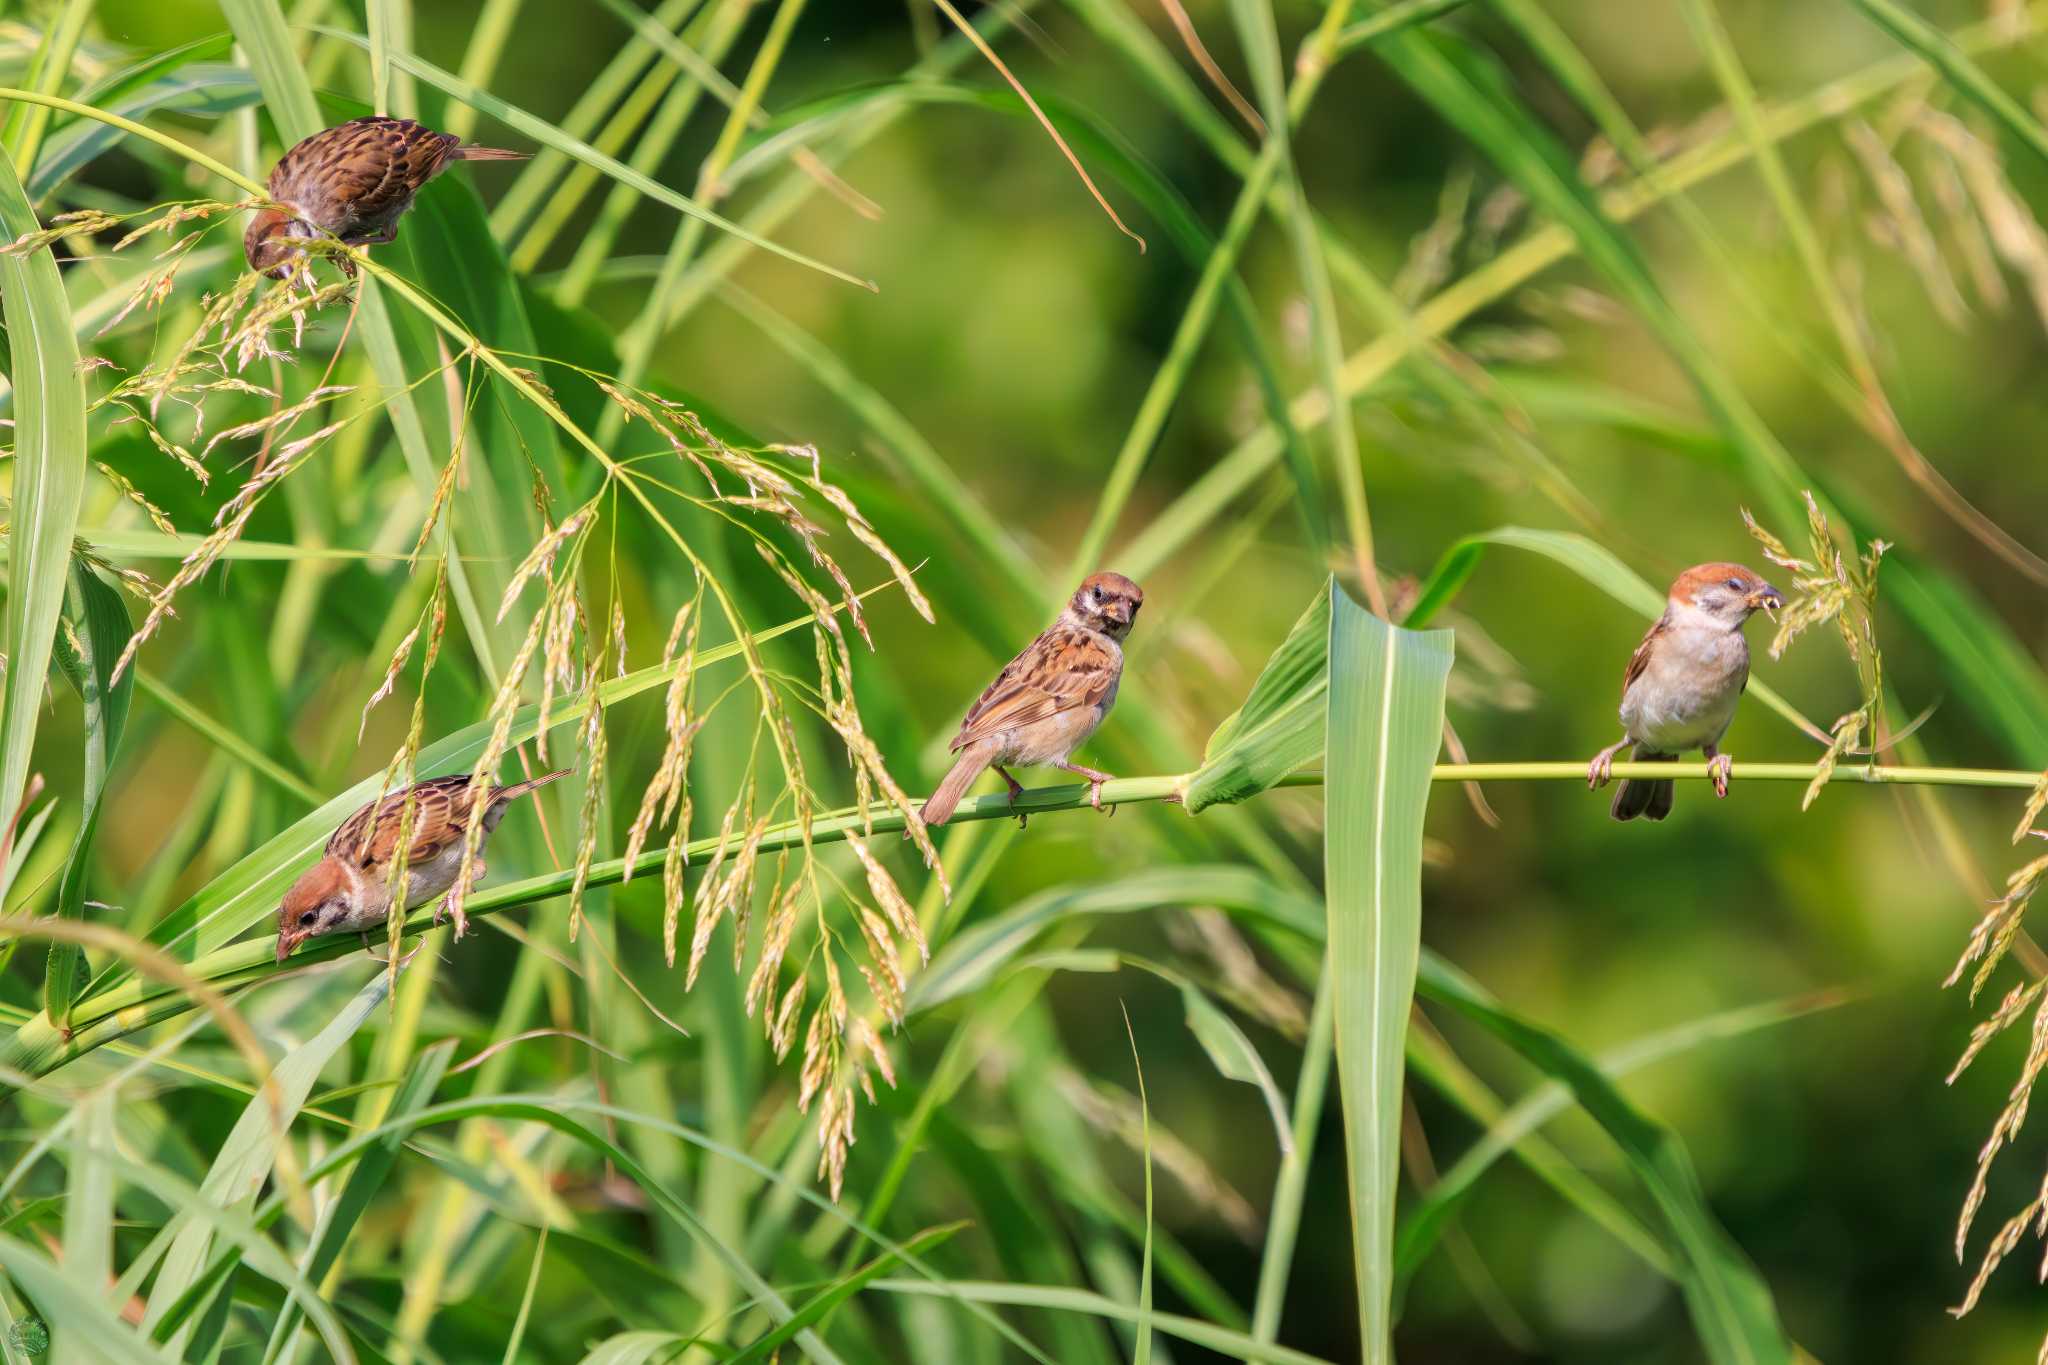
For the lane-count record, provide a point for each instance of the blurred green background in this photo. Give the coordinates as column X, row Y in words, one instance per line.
column 1017, row 331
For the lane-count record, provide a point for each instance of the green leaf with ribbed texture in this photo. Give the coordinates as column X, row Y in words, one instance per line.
column 1280, row 725
column 87, row 644
column 49, row 480
column 1386, row 719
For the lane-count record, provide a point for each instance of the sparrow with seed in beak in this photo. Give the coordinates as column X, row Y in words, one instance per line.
column 349, row 889
column 351, row 182
column 1680, row 690
column 1049, row 699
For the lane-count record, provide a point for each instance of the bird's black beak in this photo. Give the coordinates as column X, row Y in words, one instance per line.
column 1766, row 598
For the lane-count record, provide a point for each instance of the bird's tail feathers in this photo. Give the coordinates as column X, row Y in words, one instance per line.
column 970, row 765
column 519, row 789
column 1648, row 798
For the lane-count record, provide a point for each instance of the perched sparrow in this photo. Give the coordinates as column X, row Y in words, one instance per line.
column 352, row 182
column 1049, row 699
column 1682, row 685
column 349, row 889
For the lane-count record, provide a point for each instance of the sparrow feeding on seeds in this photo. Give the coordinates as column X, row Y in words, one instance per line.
column 351, row 182
column 1049, row 699
column 1680, row 690
column 349, row 889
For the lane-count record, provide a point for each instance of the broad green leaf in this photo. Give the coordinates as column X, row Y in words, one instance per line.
column 1234, row 1056
column 1731, row 1306
column 48, row 485
column 1385, row 718
column 87, row 645
column 1280, row 725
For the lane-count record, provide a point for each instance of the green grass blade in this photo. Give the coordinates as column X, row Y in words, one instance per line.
column 1469, row 92
column 1290, row 1187
column 1234, row 1056
column 541, row 131
column 1385, row 721
column 88, row 1217
column 1731, row 1306
column 363, row 1183
column 1280, row 725
column 189, row 80
column 537, row 178
column 257, row 1144
column 78, row 1304
column 49, row 479
column 1222, row 1340
column 86, row 650
column 1985, row 662
column 839, row 1291
column 25, row 122
column 1427, row 1221
column 1942, row 53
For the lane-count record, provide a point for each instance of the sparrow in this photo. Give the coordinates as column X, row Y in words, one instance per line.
column 1680, row 690
column 351, row 182
column 1049, row 699
column 349, row 889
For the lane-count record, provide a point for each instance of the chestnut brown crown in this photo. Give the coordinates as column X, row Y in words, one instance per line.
column 1108, row 602
column 1728, row 591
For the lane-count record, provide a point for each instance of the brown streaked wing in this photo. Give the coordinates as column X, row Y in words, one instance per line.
column 1062, row 670
column 360, row 170
column 440, row 816
column 1640, row 660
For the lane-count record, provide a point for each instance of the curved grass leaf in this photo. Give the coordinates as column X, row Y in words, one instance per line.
column 1234, row 1056
column 185, row 80
column 1280, row 725
column 1432, row 1213
column 1731, row 1306
column 1235, row 1345
column 49, row 480
column 252, row 1150
column 978, row 954
column 86, row 649
column 339, row 1219
column 1939, row 51
column 1385, row 722
column 63, row 1297
column 547, row 134
column 839, row 1291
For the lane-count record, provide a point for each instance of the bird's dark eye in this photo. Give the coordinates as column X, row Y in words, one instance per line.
column 1735, row 583
column 308, row 918
column 1098, row 594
